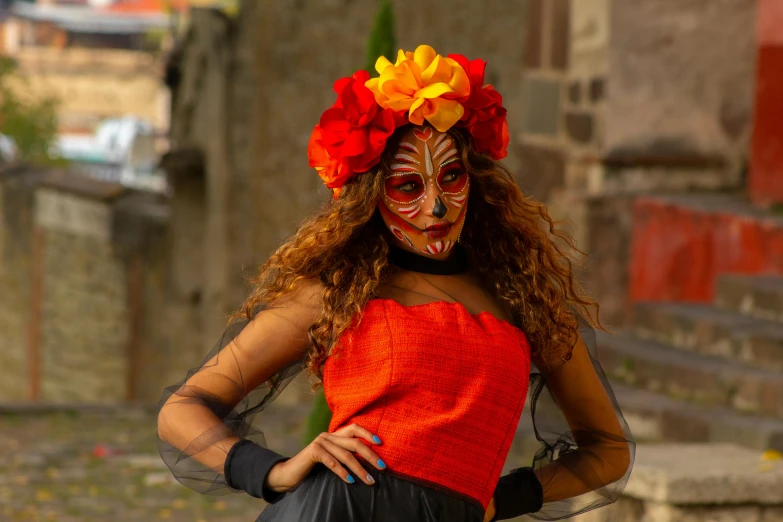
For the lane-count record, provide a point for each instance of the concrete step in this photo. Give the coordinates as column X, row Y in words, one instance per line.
column 653, row 417
column 696, row 483
column 690, row 376
column 719, row 475
column 757, row 296
column 713, row 331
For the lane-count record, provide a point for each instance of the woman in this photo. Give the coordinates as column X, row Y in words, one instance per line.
column 419, row 297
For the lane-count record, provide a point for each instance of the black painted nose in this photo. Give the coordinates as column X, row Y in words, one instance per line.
column 440, row 209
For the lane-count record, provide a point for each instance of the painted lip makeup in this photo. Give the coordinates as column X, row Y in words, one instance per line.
column 438, row 230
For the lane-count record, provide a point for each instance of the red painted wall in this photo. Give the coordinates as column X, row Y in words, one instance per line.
column 677, row 252
column 766, row 155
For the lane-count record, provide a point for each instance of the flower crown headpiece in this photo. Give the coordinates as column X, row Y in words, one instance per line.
column 421, row 85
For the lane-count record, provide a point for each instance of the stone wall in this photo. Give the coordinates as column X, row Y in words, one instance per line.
column 652, row 96
column 680, row 78
column 17, row 189
column 78, row 350
column 84, row 277
column 658, row 79
column 541, row 149
column 608, row 225
column 84, row 320
column 141, row 237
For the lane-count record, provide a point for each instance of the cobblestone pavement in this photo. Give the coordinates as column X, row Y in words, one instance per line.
column 103, row 466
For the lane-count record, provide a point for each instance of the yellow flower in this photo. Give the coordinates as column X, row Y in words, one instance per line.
column 425, row 84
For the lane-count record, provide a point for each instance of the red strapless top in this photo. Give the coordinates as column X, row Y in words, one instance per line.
column 442, row 388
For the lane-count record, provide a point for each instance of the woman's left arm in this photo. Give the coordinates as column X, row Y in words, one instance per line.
column 603, row 454
column 595, row 453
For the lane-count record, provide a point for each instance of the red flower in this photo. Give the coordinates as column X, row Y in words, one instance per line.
column 351, row 134
column 485, row 116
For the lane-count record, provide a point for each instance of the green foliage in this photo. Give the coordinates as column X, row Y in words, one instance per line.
column 153, row 40
column 319, row 419
column 382, row 41
column 32, row 124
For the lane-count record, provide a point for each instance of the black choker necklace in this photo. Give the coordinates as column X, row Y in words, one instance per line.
column 407, row 260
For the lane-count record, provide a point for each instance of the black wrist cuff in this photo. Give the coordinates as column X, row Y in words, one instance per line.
column 247, row 465
column 518, row 493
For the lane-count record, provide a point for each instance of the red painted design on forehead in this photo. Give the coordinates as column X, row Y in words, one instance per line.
column 410, row 147
column 405, row 168
column 423, row 134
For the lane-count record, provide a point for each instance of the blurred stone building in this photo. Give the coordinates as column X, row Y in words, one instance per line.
column 623, row 99
column 654, row 127
column 98, row 61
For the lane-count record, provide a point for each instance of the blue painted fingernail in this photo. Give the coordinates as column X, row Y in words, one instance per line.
column 376, row 439
column 381, row 463
column 350, row 479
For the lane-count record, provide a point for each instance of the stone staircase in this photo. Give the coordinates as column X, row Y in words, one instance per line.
column 704, row 373
column 701, row 386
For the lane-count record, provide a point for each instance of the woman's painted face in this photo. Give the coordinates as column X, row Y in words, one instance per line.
column 425, row 195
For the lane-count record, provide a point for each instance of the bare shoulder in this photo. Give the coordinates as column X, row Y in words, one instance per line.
column 304, row 302
column 277, row 334
column 305, row 291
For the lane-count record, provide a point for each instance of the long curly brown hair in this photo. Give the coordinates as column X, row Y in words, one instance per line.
column 515, row 249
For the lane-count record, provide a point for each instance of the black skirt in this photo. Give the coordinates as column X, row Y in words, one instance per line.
column 325, row 497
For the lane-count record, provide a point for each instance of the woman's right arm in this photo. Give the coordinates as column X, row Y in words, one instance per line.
column 199, row 421
column 275, row 338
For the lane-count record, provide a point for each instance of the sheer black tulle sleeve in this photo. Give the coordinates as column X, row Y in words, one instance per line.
column 587, row 450
column 215, row 406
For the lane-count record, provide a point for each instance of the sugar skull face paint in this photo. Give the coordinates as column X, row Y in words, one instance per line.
column 425, row 195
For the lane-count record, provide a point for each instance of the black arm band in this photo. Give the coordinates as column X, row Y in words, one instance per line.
column 247, row 465
column 518, row 493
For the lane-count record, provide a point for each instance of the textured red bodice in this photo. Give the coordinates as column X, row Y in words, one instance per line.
column 442, row 388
